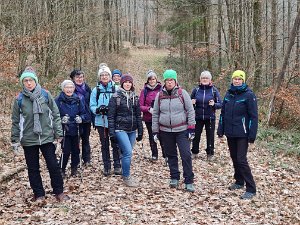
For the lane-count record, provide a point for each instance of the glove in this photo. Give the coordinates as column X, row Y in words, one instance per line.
column 16, row 147
column 139, row 137
column 113, row 139
column 150, row 110
column 98, row 111
column 155, row 137
column 65, row 119
column 191, row 134
column 78, row 119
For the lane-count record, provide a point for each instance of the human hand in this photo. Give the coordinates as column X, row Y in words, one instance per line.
column 65, row 119
column 78, row 119
column 191, row 134
column 16, row 147
column 155, row 137
column 193, row 101
column 150, row 110
column 211, row 102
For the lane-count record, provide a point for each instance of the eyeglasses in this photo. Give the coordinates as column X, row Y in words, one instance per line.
column 28, row 80
column 104, row 75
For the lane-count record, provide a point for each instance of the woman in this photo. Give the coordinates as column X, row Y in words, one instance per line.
column 173, row 120
column 35, row 126
column 239, row 122
column 116, row 77
column 206, row 99
column 72, row 112
column 83, row 91
column 124, row 118
column 147, row 97
column 98, row 104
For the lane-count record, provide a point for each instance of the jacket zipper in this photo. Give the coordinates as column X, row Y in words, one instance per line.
column 244, row 126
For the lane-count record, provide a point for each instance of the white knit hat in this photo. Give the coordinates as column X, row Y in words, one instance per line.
column 104, row 69
column 206, row 73
column 65, row 82
column 151, row 73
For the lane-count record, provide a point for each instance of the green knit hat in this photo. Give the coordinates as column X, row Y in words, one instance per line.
column 239, row 73
column 170, row 74
column 29, row 72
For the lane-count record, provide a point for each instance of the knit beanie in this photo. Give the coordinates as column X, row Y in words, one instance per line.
column 103, row 69
column 116, row 71
column 239, row 73
column 170, row 74
column 102, row 64
column 65, row 82
column 126, row 77
column 206, row 74
column 151, row 73
column 29, row 72
column 75, row 72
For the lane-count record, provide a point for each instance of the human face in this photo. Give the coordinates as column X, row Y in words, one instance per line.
column 152, row 81
column 29, row 83
column 104, row 77
column 116, row 78
column 170, row 84
column 79, row 79
column 127, row 85
column 204, row 80
column 237, row 81
column 69, row 89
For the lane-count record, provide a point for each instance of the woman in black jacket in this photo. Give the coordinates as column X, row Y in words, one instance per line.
column 124, row 118
column 239, row 123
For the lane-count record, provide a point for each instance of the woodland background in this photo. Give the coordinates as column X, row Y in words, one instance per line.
column 261, row 37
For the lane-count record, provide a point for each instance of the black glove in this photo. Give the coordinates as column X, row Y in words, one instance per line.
column 139, row 137
column 113, row 139
column 102, row 109
column 98, row 111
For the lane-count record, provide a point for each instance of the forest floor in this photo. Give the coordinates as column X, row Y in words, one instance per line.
column 106, row 200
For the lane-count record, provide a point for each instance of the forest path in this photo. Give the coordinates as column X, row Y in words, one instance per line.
column 105, row 200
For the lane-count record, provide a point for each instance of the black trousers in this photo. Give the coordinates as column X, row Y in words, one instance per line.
column 105, row 150
column 85, row 131
column 242, row 173
column 210, row 136
column 33, row 167
column 153, row 144
column 70, row 146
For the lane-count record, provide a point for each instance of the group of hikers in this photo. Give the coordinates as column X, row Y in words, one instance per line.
column 173, row 118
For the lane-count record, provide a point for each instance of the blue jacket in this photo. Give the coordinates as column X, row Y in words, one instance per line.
column 105, row 94
column 203, row 94
column 239, row 114
column 72, row 106
column 86, row 101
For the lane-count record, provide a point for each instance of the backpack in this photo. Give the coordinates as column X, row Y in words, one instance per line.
column 20, row 98
column 104, row 92
column 180, row 96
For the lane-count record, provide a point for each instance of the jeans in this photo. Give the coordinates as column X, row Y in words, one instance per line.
column 70, row 146
column 171, row 140
column 153, row 144
column 210, row 136
column 238, row 148
column 104, row 139
column 33, row 167
column 85, row 139
column 126, row 141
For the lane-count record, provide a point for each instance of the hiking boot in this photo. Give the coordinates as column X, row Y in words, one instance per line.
column 62, row 197
column 38, row 199
column 154, row 158
column 235, row 187
column 130, row 182
column 189, row 187
column 118, row 171
column 73, row 172
column 174, row 183
column 106, row 172
column 248, row 195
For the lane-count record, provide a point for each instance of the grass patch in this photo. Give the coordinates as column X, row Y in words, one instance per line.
column 283, row 141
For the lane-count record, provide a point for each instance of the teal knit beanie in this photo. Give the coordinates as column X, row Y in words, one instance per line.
column 170, row 74
column 29, row 72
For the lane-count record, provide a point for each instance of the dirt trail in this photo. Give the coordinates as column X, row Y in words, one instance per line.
column 105, row 200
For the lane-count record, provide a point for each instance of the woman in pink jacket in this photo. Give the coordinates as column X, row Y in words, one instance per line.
column 147, row 97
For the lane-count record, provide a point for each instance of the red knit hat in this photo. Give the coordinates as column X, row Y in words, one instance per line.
column 126, row 77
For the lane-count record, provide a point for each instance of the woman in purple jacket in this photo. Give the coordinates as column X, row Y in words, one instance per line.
column 147, row 97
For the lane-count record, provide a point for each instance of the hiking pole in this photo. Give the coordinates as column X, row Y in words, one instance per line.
column 80, row 159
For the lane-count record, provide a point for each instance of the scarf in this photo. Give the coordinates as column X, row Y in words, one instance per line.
column 128, row 94
column 238, row 89
column 35, row 97
column 80, row 89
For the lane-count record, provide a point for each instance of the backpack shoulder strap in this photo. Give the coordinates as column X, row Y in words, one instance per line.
column 180, row 95
column 45, row 94
column 20, row 98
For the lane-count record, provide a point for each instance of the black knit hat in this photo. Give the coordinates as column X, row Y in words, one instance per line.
column 75, row 72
